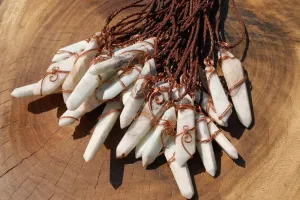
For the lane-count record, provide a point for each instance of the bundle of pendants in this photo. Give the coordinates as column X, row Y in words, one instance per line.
column 166, row 71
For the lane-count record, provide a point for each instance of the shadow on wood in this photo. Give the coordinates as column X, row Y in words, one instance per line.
column 45, row 103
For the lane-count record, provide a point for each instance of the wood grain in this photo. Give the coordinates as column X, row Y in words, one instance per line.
column 39, row 160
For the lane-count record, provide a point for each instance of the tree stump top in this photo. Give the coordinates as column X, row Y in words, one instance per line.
column 39, row 160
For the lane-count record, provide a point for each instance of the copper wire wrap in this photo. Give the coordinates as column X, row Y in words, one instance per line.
column 208, row 120
column 240, row 82
column 66, row 91
column 186, row 34
column 186, row 137
column 85, row 53
column 53, row 76
column 212, row 70
column 172, row 159
column 212, row 137
column 168, row 130
column 65, row 51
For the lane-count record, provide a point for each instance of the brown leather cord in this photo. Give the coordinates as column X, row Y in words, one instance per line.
column 178, row 27
column 242, row 27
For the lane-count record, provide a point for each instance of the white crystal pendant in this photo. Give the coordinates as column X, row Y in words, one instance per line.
column 119, row 83
column 119, row 61
column 50, row 83
column 185, row 137
column 143, row 123
column 161, row 134
column 66, row 52
column 236, row 83
column 208, row 107
column 91, row 80
column 219, row 97
column 220, row 138
column 80, row 67
column 86, row 87
column 106, row 122
column 204, row 145
column 136, row 99
column 181, row 173
column 141, row 146
column 70, row 116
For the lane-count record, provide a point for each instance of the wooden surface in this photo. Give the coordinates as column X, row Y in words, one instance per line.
column 39, row 160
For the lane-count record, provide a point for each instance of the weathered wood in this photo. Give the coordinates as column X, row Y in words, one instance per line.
column 39, row 160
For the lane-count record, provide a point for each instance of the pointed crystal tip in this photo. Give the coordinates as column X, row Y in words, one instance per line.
column 211, row 171
column 87, row 157
column 66, row 121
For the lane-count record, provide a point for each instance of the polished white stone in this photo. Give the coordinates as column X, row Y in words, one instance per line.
column 73, row 48
column 233, row 73
column 24, row 91
column 87, row 106
column 102, row 129
column 86, row 86
column 223, row 141
column 80, row 67
column 155, row 144
column 110, row 91
column 140, row 147
column 185, row 143
column 141, row 125
column 52, row 81
column 119, row 61
column 218, row 94
column 205, row 149
column 205, row 105
column 181, row 173
column 137, row 46
column 136, row 99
